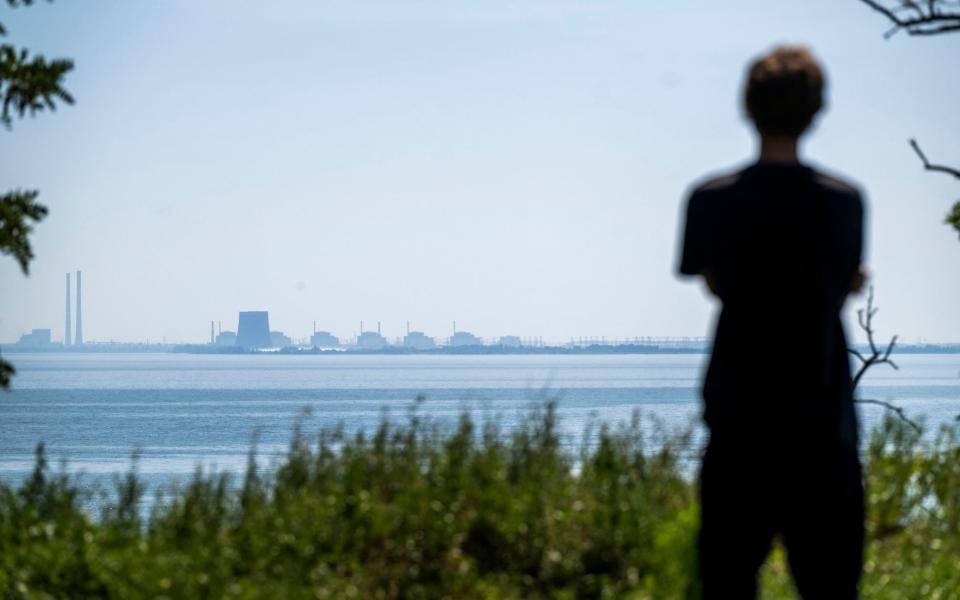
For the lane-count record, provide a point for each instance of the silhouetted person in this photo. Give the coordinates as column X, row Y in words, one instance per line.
column 779, row 243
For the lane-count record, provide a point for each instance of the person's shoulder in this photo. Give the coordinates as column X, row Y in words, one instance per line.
column 837, row 184
column 716, row 183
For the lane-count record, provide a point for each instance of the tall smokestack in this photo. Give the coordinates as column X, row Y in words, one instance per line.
column 67, row 329
column 211, row 333
column 78, row 339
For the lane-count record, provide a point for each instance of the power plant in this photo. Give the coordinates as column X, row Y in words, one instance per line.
column 253, row 333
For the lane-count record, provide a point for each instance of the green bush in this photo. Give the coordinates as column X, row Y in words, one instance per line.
column 419, row 511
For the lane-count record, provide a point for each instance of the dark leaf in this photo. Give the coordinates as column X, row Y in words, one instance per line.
column 6, row 372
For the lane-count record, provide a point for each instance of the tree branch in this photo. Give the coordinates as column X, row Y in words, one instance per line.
column 19, row 212
column 936, row 18
column 875, row 357
column 895, row 409
column 932, row 167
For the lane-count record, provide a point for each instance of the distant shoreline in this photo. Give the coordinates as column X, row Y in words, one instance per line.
column 596, row 349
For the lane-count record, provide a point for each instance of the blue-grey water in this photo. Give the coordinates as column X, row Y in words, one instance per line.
column 180, row 410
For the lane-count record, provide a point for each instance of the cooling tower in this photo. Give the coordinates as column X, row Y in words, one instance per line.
column 253, row 330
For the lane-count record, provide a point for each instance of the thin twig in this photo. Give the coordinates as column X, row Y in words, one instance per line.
column 931, row 21
column 931, row 167
column 876, row 357
column 894, row 408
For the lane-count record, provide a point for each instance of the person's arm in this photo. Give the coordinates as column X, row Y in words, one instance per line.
column 854, row 249
column 858, row 280
column 694, row 257
column 711, row 280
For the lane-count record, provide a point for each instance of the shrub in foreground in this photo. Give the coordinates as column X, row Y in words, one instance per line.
column 419, row 511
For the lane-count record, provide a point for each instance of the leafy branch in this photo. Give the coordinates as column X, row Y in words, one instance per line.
column 876, row 356
column 17, row 210
column 28, row 85
column 953, row 217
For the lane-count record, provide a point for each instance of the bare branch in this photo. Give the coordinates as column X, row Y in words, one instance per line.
column 856, row 353
column 893, row 341
column 875, row 357
column 936, row 17
column 895, row 409
column 931, row 167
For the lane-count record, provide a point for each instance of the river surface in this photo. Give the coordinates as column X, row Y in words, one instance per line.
column 178, row 411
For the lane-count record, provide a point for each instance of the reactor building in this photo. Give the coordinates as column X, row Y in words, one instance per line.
column 324, row 339
column 253, row 330
column 371, row 340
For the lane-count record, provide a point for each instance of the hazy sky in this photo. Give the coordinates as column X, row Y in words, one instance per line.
column 517, row 166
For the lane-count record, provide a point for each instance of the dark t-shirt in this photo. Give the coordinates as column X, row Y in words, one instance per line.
column 782, row 243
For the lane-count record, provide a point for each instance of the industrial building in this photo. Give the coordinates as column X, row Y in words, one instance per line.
column 37, row 338
column 278, row 340
column 226, row 338
column 371, row 340
column 253, row 330
column 324, row 339
column 465, row 338
column 510, row 341
column 418, row 341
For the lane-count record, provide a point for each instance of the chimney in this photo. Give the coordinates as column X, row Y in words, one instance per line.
column 78, row 339
column 67, row 333
column 211, row 333
column 378, row 327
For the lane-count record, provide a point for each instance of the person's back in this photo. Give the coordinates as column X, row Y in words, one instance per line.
column 779, row 243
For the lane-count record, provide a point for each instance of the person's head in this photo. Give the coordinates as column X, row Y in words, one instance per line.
column 784, row 91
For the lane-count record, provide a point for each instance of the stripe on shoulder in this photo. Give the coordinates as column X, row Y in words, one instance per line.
column 720, row 182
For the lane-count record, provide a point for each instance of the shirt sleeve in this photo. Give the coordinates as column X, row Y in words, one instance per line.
column 852, row 242
column 694, row 251
column 858, row 216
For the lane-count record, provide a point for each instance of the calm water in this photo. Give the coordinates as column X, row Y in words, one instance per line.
column 183, row 410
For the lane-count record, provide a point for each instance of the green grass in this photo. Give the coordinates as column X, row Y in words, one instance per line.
column 418, row 511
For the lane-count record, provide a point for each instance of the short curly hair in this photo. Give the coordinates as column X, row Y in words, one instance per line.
column 784, row 91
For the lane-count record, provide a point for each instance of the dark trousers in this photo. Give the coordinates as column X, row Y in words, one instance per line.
column 807, row 490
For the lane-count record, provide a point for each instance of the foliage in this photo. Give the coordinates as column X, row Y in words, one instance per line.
column 417, row 511
column 17, row 209
column 28, row 84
